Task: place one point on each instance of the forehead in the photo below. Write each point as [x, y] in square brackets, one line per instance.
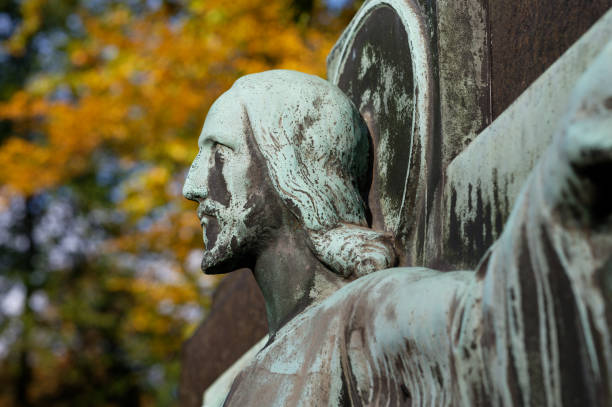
[225, 122]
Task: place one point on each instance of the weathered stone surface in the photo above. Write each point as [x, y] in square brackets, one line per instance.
[383, 63]
[482, 183]
[527, 36]
[462, 48]
[488, 52]
[465, 88]
[237, 320]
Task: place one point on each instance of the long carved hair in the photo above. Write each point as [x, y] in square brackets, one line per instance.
[316, 149]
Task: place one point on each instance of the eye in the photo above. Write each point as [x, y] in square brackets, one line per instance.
[220, 152]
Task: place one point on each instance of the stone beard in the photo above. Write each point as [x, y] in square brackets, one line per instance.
[280, 180]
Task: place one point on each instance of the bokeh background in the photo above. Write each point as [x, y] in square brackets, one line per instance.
[101, 103]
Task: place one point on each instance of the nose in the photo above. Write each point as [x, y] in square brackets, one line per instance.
[194, 188]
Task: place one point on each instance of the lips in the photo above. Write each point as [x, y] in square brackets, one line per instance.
[209, 223]
[206, 211]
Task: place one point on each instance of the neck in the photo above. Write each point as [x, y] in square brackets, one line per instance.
[291, 278]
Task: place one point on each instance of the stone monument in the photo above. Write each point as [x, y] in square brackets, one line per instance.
[322, 197]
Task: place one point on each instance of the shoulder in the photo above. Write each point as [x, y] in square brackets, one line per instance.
[400, 280]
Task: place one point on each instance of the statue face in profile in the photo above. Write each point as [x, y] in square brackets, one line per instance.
[278, 145]
[222, 179]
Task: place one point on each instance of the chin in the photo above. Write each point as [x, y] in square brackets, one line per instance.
[220, 263]
[222, 267]
[228, 251]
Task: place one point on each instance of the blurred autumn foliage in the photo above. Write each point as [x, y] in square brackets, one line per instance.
[101, 103]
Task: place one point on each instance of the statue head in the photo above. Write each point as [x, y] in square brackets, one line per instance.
[296, 137]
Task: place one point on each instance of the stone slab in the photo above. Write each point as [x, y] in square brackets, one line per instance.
[483, 182]
[527, 36]
[236, 321]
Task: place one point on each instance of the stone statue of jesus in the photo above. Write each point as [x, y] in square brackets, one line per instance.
[280, 179]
